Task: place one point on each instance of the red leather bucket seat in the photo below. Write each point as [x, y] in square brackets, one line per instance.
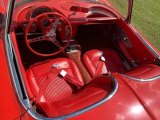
[57, 87]
[99, 62]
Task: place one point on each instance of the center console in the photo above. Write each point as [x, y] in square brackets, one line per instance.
[73, 51]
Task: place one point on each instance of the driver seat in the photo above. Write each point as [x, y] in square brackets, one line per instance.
[57, 88]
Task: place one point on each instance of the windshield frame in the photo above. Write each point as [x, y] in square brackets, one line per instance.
[127, 18]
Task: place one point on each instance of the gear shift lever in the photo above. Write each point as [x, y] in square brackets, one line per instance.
[73, 46]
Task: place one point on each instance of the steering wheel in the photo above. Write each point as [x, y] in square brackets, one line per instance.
[49, 31]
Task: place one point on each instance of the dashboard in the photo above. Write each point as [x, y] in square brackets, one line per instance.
[57, 21]
[77, 12]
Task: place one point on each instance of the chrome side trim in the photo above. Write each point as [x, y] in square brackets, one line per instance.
[15, 76]
[141, 79]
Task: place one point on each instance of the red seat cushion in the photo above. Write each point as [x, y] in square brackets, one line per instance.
[37, 74]
[145, 71]
[112, 61]
[54, 96]
[91, 59]
[88, 95]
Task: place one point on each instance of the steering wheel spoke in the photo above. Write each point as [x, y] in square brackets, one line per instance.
[56, 42]
[38, 39]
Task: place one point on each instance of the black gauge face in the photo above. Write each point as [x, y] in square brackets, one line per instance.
[46, 23]
[40, 10]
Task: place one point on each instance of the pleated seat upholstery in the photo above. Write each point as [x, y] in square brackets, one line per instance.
[56, 95]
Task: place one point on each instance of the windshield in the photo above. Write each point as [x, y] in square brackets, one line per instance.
[121, 6]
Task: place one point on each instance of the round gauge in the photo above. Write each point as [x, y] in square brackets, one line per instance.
[46, 23]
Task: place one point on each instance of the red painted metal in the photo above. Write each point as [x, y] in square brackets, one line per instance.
[133, 100]
[9, 102]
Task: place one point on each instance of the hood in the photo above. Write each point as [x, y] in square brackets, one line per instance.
[148, 94]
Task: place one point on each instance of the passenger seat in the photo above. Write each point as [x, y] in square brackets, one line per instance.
[103, 61]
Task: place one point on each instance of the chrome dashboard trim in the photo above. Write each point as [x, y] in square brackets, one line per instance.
[101, 11]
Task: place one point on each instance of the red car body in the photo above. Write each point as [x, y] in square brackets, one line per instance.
[134, 100]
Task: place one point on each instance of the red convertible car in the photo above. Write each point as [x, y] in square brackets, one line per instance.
[75, 60]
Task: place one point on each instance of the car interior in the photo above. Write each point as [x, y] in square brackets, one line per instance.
[68, 54]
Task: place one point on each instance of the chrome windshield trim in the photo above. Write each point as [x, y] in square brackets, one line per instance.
[141, 79]
[87, 1]
[144, 41]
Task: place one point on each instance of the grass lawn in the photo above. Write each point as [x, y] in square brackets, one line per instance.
[145, 17]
